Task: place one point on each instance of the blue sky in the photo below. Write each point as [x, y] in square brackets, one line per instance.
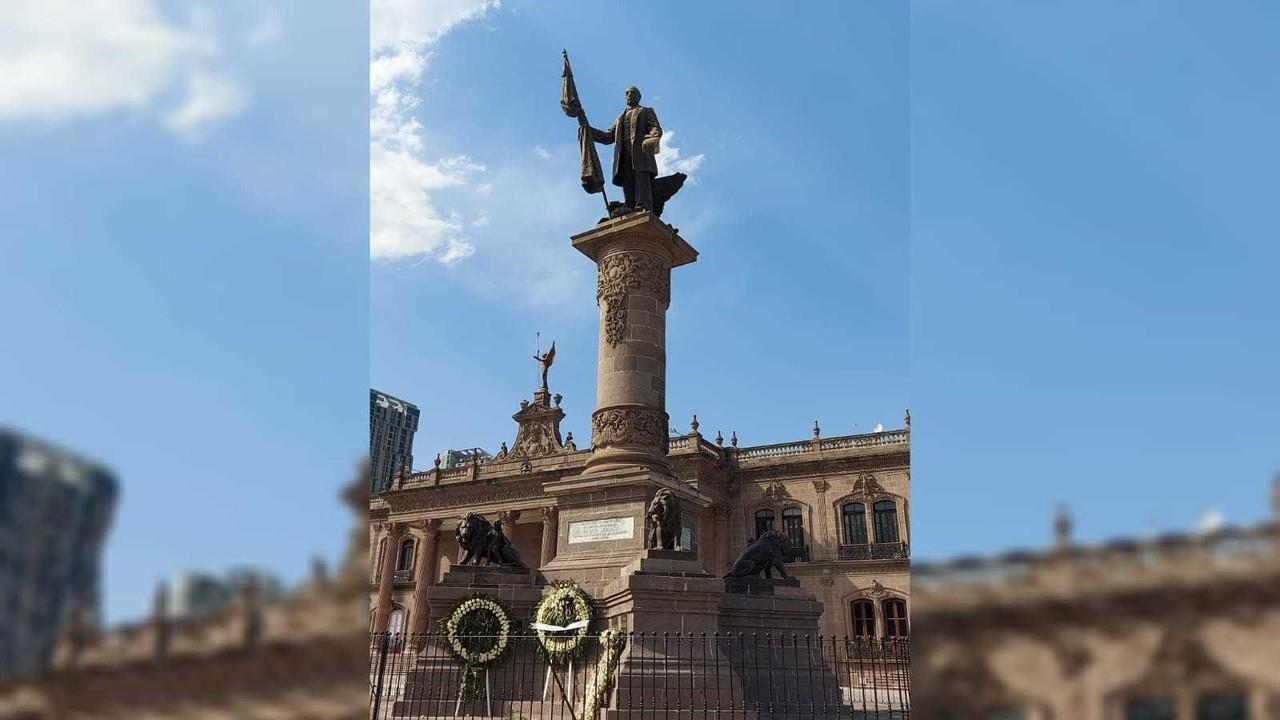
[1047, 228]
[1093, 265]
[1080, 317]
[186, 278]
[797, 307]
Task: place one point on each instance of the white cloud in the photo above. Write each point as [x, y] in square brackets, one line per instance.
[75, 58]
[541, 152]
[670, 161]
[404, 178]
[1209, 521]
[396, 23]
[209, 98]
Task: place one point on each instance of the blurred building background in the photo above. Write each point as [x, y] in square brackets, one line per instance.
[1175, 627]
[55, 510]
[450, 458]
[256, 654]
[193, 594]
[392, 424]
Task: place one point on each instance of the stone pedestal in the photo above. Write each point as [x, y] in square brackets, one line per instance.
[772, 624]
[432, 683]
[671, 604]
[601, 524]
[512, 585]
[634, 255]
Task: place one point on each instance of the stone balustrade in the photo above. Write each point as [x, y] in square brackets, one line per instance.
[1121, 563]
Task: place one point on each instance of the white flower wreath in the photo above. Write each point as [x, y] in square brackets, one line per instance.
[560, 646]
[462, 629]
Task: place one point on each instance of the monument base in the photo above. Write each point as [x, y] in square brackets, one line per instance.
[514, 586]
[433, 683]
[773, 623]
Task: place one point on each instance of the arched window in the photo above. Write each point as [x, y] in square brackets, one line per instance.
[863, 613]
[405, 561]
[764, 521]
[886, 520]
[853, 519]
[793, 526]
[895, 618]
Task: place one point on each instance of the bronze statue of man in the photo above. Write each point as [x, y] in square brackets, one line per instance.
[635, 137]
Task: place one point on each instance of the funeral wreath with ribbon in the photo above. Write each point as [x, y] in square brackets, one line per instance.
[561, 620]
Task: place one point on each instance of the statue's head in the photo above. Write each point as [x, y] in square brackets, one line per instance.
[633, 96]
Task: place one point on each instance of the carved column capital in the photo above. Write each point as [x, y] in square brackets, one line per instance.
[634, 425]
[549, 513]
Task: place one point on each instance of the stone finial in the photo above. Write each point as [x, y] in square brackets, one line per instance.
[524, 404]
[569, 445]
[436, 463]
[906, 418]
[719, 438]
[693, 425]
[1062, 528]
[733, 438]
[817, 431]
[557, 398]
[502, 450]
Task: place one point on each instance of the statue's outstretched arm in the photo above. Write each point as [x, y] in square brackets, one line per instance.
[604, 137]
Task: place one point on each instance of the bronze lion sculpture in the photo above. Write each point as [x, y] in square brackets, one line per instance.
[473, 538]
[767, 553]
[663, 520]
[482, 541]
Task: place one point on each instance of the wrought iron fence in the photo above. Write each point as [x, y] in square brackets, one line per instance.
[718, 676]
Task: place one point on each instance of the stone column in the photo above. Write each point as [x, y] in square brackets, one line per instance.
[550, 527]
[634, 255]
[382, 614]
[424, 575]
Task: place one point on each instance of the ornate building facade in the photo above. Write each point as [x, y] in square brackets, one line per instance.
[843, 503]
[1180, 627]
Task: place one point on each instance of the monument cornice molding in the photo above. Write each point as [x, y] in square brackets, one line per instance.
[818, 467]
[472, 495]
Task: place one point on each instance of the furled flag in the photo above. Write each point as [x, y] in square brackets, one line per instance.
[592, 174]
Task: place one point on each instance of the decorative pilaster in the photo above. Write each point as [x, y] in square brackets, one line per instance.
[825, 547]
[550, 526]
[386, 584]
[634, 255]
[424, 575]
